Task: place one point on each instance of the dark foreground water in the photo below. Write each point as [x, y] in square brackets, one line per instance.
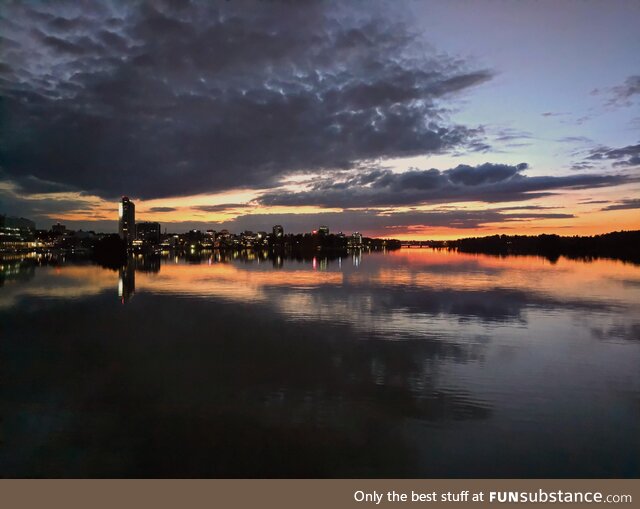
[415, 363]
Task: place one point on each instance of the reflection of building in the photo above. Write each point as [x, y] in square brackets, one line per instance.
[148, 232]
[278, 231]
[127, 220]
[147, 263]
[356, 258]
[21, 270]
[278, 262]
[126, 283]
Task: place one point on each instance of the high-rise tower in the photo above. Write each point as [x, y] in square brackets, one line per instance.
[127, 220]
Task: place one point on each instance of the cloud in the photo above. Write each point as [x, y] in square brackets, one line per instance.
[625, 156]
[581, 166]
[385, 223]
[370, 221]
[622, 94]
[222, 207]
[624, 205]
[512, 137]
[162, 209]
[487, 182]
[554, 114]
[42, 208]
[178, 98]
[574, 139]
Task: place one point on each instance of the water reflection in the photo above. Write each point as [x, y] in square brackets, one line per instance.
[126, 282]
[408, 363]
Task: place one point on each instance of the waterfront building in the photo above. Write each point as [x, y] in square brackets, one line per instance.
[16, 234]
[356, 239]
[58, 229]
[148, 232]
[127, 220]
[278, 232]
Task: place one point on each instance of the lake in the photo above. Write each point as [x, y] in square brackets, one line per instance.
[410, 363]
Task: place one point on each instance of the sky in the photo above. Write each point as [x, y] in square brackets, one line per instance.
[404, 119]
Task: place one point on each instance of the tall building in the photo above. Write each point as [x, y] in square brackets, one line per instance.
[278, 231]
[127, 220]
[323, 230]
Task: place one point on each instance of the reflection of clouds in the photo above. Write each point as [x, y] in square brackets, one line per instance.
[564, 280]
[629, 331]
[412, 294]
[631, 283]
[217, 387]
[404, 292]
[235, 362]
[66, 282]
[229, 281]
[457, 316]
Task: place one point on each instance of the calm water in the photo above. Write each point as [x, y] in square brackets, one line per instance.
[415, 363]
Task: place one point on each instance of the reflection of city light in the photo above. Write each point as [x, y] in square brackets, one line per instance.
[120, 287]
[315, 263]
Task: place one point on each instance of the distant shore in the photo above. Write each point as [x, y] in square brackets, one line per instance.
[623, 245]
[109, 249]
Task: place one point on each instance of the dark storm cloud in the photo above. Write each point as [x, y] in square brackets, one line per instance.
[41, 209]
[487, 183]
[176, 98]
[624, 205]
[625, 156]
[33, 184]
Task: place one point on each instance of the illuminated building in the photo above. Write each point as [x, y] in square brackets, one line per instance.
[278, 231]
[16, 234]
[148, 232]
[323, 230]
[127, 220]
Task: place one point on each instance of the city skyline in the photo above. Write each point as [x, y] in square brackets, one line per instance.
[408, 120]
